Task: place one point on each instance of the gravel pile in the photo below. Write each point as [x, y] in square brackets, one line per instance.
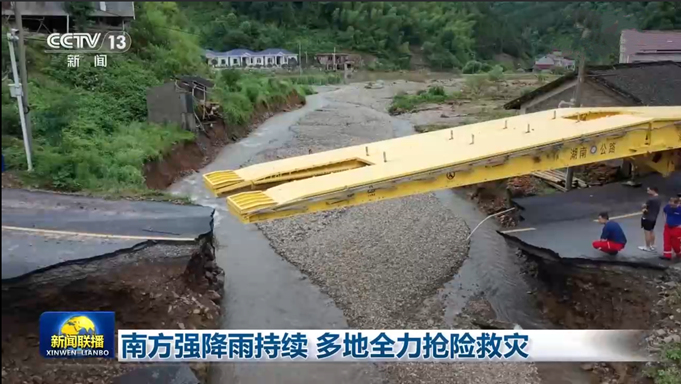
[377, 261]
[382, 263]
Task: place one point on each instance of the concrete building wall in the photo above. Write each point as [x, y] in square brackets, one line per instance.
[624, 58]
[593, 95]
[251, 61]
[163, 104]
[168, 105]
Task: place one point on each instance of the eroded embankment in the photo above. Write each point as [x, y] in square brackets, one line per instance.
[160, 286]
[189, 157]
[587, 295]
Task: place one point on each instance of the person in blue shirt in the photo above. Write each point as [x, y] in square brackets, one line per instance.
[612, 238]
[672, 228]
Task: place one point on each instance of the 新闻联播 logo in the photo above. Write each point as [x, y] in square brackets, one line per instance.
[77, 334]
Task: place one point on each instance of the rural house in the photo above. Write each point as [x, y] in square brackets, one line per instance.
[644, 84]
[636, 84]
[272, 57]
[51, 16]
[552, 61]
[647, 46]
[341, 61]
[176, 102]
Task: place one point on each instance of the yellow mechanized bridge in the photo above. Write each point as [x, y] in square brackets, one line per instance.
[449, 158]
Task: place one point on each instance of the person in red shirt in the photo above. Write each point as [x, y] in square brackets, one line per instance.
[672, 229]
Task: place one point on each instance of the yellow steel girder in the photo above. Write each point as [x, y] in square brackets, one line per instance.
[661, 162]
[583, 136]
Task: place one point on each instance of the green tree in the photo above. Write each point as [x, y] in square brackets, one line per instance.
[80, 12]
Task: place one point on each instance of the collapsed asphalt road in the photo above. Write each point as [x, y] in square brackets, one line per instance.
[42, 230]
[150, 263]
[562, 225]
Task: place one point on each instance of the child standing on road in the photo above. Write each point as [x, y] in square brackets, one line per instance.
[651, 209]
[672, 229]
[612, 238]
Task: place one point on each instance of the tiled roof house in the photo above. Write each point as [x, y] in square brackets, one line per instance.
[648, 46]
[635, 84]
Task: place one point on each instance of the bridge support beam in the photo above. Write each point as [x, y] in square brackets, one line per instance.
[662, 162]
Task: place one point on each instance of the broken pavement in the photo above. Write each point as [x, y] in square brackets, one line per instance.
[153, 264]
[562, 226]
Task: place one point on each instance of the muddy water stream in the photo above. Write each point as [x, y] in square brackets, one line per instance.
[264, 291]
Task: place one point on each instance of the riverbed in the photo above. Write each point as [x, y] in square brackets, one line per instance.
[401, 263]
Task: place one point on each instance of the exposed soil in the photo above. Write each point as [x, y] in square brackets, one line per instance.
[10, 180]
[158, 287]
[594, 296]
[189, 157]
[495, 196]
[609, 297]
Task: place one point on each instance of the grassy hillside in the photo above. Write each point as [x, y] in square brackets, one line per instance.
[89, 124]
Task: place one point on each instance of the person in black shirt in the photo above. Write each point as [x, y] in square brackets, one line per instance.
[651, 209]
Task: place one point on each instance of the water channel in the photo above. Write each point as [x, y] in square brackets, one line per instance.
[264, 291]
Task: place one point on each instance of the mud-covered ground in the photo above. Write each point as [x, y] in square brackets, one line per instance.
[382, 263]
[162, 286]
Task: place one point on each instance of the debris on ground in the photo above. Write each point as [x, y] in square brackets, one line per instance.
[664, 341]
[10, 180]
[597, 174]
[523, 186]
[378, 85]
[558, 180]
[494, 197]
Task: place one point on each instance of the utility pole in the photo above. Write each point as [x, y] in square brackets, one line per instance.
[580, 79]
[17, 92]
[334, 58]
[22, 69]
[569, 174]
[300, 58]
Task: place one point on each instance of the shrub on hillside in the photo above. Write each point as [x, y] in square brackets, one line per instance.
[236, 106]
[496, 74]
[229, 78]
[437, 90]
[403, 102]
[541, 77]
[475, 84]
[102, 162]
[472, 67]
[559, 71]
[10, 114]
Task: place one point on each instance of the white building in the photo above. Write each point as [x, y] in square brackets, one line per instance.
[273, 57]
